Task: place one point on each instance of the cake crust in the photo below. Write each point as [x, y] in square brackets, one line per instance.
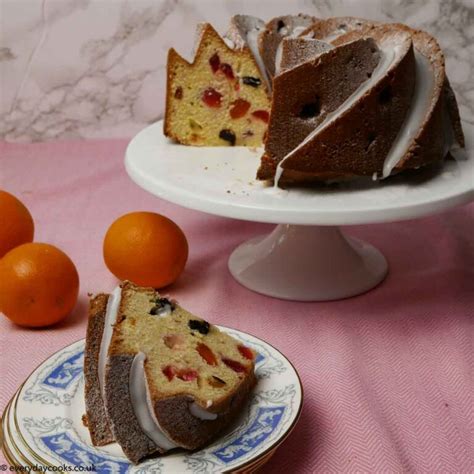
[96, 416]
[128, 433]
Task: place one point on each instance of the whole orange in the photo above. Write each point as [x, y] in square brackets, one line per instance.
[39, 285]
[16, 223]
[146, 248]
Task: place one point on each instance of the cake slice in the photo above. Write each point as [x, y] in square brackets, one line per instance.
[172, 380]
[219, 99]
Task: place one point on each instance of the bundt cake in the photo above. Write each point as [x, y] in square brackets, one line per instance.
[158, 377]
[350, 98]
[402, 115]
[221, 98]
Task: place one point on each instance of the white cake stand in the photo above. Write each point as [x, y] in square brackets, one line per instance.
[306, 257]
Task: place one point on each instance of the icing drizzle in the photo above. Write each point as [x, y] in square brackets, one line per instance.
[143, 406]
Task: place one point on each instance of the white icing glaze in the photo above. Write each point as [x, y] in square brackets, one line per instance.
[165, 310]
[229, 42]
[424, 85]
[109, 320]
[199, 412]
[388, 54]
[142, 404]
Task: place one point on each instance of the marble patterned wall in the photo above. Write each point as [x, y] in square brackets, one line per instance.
[96, 68]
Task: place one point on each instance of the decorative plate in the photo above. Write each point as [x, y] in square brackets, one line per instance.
[43, 422]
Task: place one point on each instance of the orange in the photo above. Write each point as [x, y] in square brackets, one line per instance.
[146, 248]
[39, 285]
[16, 223]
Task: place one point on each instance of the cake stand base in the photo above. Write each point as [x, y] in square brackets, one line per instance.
[307, 263]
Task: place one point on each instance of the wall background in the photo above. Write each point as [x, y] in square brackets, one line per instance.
[96, 68]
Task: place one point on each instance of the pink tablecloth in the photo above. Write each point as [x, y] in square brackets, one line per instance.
[386, 375]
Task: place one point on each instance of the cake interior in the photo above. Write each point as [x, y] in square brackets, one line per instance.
[184, 354]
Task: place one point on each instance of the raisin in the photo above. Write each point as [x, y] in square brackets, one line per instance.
[280, 25]
[251, 81]
[227, 70]
[216, 382]
[161, 304]
[206, 353]
[215, 62]
[234, 365]
[239, 108]
[178, 93]
[211, 97]
[245, 352]
[262, 115]
[228, 136]
[201, 326]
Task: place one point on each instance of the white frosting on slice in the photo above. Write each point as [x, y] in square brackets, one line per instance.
[424, 85]
[143, 406]
[388, 55]
[199, 412]
[110, 318]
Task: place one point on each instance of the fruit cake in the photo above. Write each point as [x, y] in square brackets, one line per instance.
[333, 121]
[172, 380]
[219, 99]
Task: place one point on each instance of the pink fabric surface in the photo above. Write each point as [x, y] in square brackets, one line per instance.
[386, 374]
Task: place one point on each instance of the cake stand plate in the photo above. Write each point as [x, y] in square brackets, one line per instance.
[306, 257]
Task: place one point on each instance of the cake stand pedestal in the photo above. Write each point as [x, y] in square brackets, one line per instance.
[306, 257]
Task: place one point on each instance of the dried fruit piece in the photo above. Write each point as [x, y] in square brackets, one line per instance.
[169, 372]
[173, 341]
[206, 353]
[245, 352]
[262, 115]
[188, 375]
[234, 365]
[197, 325]
[251, 81]
[216, 382]
[228, 136]
[227, 70]
[212, 98]
[194, 124]
[239, 108]
[215, 62]
[178, 93]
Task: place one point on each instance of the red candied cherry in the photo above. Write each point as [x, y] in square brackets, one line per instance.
[245, 352]
[188, 375]
[239, 108]
[234, 365]
[215, 62]
[169, 372]
[262, 115]
[212, 98]
[206, 353]
[227, 70]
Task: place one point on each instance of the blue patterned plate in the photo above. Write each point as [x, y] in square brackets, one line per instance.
[43, 423]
